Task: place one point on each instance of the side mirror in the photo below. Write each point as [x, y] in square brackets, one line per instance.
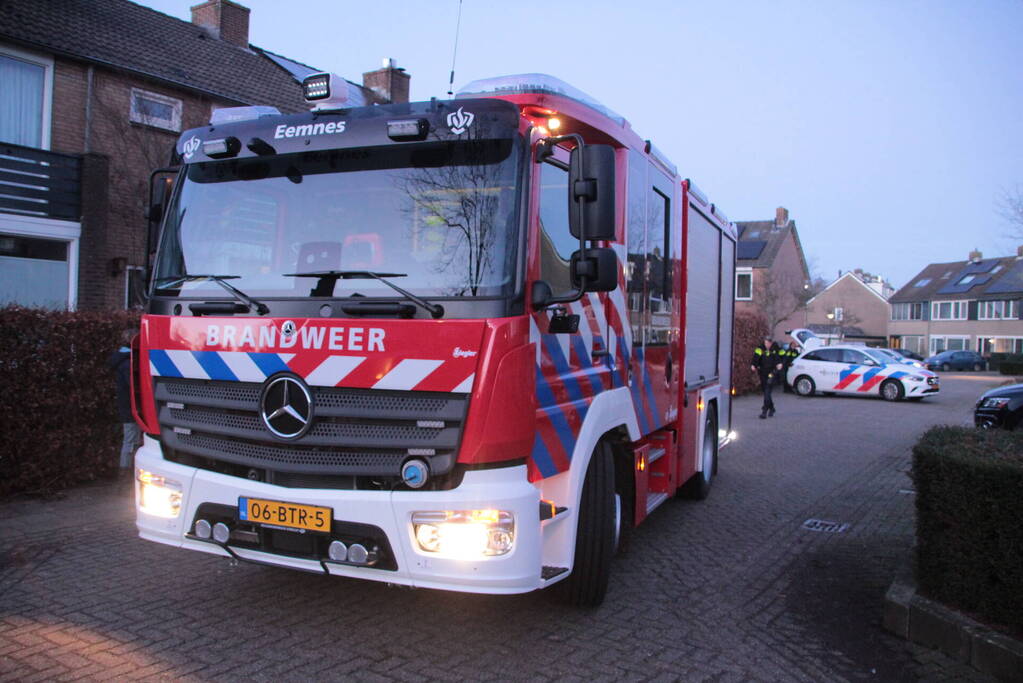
[591, 192]
[600, 268]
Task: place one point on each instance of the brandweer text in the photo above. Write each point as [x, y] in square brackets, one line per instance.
[309, 337]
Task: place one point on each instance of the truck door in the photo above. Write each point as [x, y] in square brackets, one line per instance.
[653, 306]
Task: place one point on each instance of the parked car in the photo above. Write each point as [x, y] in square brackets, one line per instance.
[906, 353]
[898, 357]
[1000, 408]
[956, 360]
[859, 371]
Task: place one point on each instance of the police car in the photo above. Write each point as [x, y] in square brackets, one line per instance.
[858, 370]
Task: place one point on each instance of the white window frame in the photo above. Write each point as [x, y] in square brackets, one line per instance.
[839, 313]
[48, 228]
[958, 309]
[965, 338]
[177, 106]
[46, 62]
[744, 271]
[981, 338]
[986, 313]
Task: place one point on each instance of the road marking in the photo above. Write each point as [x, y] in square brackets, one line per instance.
[825, 526]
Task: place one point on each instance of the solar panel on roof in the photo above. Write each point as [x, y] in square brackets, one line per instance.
[969, 276]
[750, 249]
[1011, 281]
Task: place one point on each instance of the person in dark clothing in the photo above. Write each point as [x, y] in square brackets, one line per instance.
[120, 362]
[767, 363]
[789, 353]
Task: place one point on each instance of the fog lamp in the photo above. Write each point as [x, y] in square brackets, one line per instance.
[158, 496]
[465, 534]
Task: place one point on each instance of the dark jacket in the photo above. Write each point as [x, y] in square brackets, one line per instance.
[120, 362]
[766, 361]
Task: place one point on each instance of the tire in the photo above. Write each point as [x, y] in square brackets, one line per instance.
[945, 367]
[698, 486]
[595, 533]
[804, 386]
[892, 390]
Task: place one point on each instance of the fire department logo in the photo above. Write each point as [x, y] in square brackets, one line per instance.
[459, 121]
[286, 406]
[190, 147]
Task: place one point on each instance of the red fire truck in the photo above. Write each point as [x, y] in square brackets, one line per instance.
[462, 344]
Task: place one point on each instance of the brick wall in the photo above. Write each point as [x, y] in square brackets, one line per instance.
[113, 222]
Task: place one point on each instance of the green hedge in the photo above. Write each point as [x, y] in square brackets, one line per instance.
[58, 411]
[748, 331]
[995, 360]
[1008, 367]
[969, 504]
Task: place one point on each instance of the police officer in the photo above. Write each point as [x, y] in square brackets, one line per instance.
[789, 354]
[767, 363]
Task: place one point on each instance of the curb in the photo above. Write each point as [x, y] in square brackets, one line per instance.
[926, 622]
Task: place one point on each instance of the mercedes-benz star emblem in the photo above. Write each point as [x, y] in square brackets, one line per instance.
[286, 406]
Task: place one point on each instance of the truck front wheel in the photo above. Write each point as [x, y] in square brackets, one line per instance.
[595, 534]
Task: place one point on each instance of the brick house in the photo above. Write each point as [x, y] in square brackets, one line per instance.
[95, 93]
[852, 308]
[771, 275]
[973, 304]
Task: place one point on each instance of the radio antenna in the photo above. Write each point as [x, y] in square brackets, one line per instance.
[454, 53]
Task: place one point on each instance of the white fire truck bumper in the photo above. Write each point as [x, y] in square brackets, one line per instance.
[501, 489]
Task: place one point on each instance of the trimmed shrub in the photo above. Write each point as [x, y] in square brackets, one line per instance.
[748, 331]
[1008, 367]
[969, 507]
[58, 408]
[995, 360]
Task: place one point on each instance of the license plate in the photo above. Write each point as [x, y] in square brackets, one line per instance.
[288, 515]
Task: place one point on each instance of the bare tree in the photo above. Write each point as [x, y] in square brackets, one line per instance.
[781, 294]
[1010, 207]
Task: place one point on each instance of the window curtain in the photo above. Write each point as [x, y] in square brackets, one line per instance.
[21, 102]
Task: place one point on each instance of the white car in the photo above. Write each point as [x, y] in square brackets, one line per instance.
[899, 358]
[860, 371]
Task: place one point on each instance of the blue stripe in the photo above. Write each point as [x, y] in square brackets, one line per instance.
[269, 363]
[561, 366]
[163, 363]
[848, 371]
[900, 373]
[214, 365]
[545, 399]
[587, 361]
[542, 458]
[870, 373]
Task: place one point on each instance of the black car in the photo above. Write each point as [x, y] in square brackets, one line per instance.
[906, 353]
[1000, 408]
[956, 360]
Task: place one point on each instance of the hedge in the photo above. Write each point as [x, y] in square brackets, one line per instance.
[995, 360]
[968, 526]
[1007, 367]
[58, 411]
[748, 331]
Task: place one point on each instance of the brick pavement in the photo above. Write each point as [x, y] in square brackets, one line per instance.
[732, 588]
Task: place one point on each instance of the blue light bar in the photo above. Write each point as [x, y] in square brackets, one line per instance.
[535, 83]
[235, 114]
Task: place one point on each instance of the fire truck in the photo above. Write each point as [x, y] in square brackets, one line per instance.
[464, 344]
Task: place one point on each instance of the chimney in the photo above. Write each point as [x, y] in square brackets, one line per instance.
[389, 84]
[223, 19]
[781, 217]
[975, 256]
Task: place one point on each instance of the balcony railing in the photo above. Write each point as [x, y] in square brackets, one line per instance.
[34, 182]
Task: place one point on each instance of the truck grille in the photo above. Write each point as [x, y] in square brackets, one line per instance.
[355, 432]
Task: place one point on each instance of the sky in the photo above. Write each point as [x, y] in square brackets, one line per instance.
[889, 129]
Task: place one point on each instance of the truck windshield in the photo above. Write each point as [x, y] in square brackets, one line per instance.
[444, 214]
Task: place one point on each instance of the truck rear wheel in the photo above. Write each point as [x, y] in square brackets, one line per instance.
[595, 533]
[698, 487]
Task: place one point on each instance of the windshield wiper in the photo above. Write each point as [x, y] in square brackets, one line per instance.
[221, 280]
[328, 278]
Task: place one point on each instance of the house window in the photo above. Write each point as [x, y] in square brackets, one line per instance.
[987, 345]
[999, 310]
[912, 342]
[923, 282]
[947, 343]
[837, 313]
[37, 272]
[908, 311]
[966, 279]
[153, 109]
[948, 310]
[744, 285]
[25, 98]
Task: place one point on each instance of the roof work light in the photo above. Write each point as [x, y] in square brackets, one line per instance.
[328, 91]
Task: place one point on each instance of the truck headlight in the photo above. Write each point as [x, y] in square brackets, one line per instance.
[158, 496]
[464, 534]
